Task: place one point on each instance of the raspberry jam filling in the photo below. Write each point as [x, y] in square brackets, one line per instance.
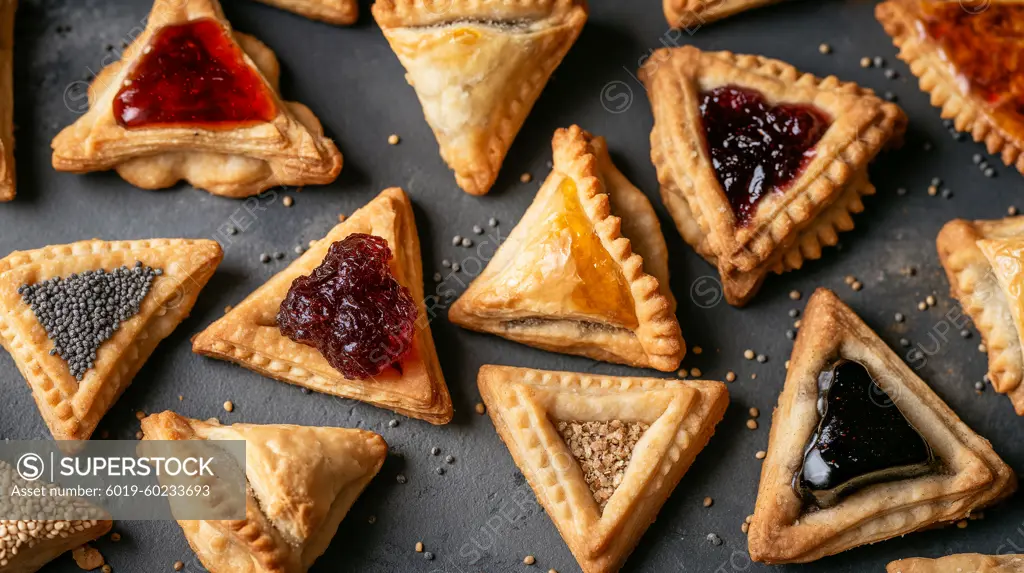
[193, 75]
[984, 46]
[757, 148]
[352, 309]
[862, 438]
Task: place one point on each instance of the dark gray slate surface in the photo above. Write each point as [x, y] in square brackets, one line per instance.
[480, 515]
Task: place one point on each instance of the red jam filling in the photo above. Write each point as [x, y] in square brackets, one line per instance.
[757, 148]
[352, 309]
[192, 75]
[984, 46]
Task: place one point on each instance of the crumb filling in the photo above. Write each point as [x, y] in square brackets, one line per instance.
[603, 450]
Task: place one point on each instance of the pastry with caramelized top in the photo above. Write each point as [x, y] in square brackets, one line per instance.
[586, 269]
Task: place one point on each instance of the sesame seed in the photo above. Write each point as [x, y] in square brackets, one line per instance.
[450, 459]
[288, 201]
[264, 258]
[299, 249]
[1012, 210]
[979, 386]
[714, 539]
[794, 312]
[933, 190]
[278, 255]
[922, 305]
[456, 240]
[393, 139]
[401, 479]
[106, 568]
[697, 350]
[865, 62]
[791, 334]
[178, 565]
[456, 267]
[478, 230]
[115, 537]
[467, 242]
[744, 527]
[393, 423]
[748, 354]
[730, 376]
[419, 547]
[794, 295]
[437, 277]
[695, 372]
[930, 300]
[754, 412]
[990, 172]
[891, 74]
[889, 96]
[428, 556]
[229, 406]
[857, 285]
[751, 424]
[435, 451]
[480, 408]
[708, 501]
[879, 62]
[962, 524]
[525, 178]
[762, 358]
[446, 264]
[232, 230]
[372, 519]
[898, 317]
[982, 348]
[529, 560]
[965, 333]
[440, 471]
[850, 279]
[760, 454]
[977, 158]
[825, 49]
[492, 222]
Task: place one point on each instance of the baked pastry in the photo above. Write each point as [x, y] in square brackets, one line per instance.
[586, 269]
[191, 99]
[409, 380]
[959, 51]
[133, 294]
[692, 14]
[759, 164]
[477, 67]
[301, 483]
[983, 263]
[861, 449]
[26, 545]
[341, 12]
[7, 10]
[962, 563]
[648, 432]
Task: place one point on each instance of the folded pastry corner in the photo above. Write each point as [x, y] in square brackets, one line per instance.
[339, 12]
[7, 178]
[478, 68]
[751, 200]
[409, 380]
[586, 269]
[236, 139]
[134, 294]
[692, 14]
[649, 431]
[983, 262]
[959, 52]
[301, 482]
[960, 563]
[861, 449]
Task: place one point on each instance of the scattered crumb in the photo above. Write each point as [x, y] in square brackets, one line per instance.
[87, 558]
[603, 450]
[419, 547]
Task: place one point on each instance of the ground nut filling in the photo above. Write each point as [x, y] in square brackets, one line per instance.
[603, 450]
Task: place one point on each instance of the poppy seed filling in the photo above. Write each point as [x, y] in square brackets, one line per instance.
[82, 311]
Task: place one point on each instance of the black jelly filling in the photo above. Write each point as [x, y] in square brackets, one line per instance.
[862, 439]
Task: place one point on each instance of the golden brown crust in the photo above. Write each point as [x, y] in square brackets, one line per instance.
[962, 563]
[973, 477]
[248, 334]
[7, 178]
[487, 306]
[975, 285]
[301, 483]
[862, 125]
[523, 403]
[340, 12]
[289, 150]
[1002, 133]
[477, 67]
[73, 408]
[691, 14]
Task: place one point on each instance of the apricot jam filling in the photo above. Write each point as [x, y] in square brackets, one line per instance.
[193, 75]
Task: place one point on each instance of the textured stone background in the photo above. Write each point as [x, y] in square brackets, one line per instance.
[480, 515]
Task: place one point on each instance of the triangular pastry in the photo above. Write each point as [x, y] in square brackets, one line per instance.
[692, 14]
[191, 99]
[586, 269]
[250, 334]
[759, 164]
[961, 563]
[983, 263]
[648, 432]
[301, 483]
[7, 180]
[861, 449]
[959, 51]
[341, 12]
[80, 320]
[477, 67]
[26, 545]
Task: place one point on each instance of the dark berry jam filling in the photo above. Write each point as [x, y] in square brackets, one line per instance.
[352, 309]
[757, 148]
[985, 45]
[862, 439]
[193, 75]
